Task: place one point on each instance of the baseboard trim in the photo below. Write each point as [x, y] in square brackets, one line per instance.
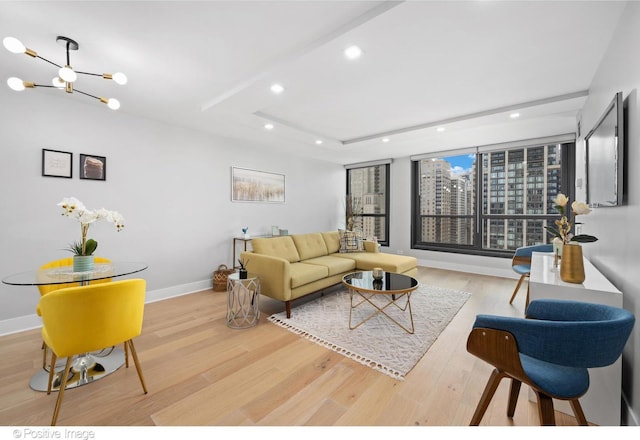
[629, 417]
[30, 322]
[476, 269]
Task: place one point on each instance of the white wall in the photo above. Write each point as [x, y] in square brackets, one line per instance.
[616, 251]
[171, 184]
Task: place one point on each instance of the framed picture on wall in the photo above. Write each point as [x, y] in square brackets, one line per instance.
[57, 163]
[256, 186]
[93, 167]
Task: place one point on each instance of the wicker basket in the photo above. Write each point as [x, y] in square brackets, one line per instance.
[220, 278]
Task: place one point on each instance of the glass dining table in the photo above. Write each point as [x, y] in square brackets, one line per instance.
[87, 367]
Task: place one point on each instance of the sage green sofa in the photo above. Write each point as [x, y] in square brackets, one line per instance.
[293, 266]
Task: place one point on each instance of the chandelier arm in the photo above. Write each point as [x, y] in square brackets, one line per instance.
[89, 73]
[87, 94]
[50, 62]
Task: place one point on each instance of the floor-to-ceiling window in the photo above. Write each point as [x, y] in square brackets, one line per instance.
[489, 200]
[368, 200]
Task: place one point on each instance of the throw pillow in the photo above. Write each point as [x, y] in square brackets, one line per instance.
[351, 241]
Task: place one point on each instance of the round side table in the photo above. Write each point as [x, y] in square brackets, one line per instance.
[243, 296]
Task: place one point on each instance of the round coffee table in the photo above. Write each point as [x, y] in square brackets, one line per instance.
[392, 290]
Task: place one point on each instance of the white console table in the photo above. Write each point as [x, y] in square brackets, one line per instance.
[601, 403]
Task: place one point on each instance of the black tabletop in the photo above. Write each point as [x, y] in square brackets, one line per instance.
[390, 281]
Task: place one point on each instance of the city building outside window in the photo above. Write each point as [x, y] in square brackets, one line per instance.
[489, 201]
[367, 200]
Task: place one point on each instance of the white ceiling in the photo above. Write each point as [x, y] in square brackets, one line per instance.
[208, 65]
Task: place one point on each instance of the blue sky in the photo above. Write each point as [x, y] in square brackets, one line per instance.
[460, 164]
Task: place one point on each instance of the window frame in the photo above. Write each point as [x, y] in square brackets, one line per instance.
[568, 152]
[387, 195]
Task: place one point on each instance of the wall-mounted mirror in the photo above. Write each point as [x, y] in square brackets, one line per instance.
[604, 156]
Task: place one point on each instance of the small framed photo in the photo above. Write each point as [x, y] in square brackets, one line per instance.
[57, 163]
[93, 167]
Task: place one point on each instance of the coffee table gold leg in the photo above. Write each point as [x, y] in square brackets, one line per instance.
[380, 310]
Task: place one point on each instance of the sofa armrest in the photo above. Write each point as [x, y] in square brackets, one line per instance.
[274, 273]
[371, 246]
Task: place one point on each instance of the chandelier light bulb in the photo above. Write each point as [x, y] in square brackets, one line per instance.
[13, 45]
[119, 78]
[16, 84]
[113, 104]
[67, 74]
[58, 83]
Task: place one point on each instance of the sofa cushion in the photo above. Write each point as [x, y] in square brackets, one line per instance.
[310, 245]
[335, 265]
[282, 247]
[332, 241]
[388, 262]
[303, 273]
[351, 241]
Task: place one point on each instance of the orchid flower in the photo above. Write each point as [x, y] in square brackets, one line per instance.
[74, 208]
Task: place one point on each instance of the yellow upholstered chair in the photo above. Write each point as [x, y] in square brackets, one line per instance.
[46, 288]
[113, 311]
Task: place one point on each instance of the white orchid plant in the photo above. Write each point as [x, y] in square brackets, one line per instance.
[566, 222]
[74, 208]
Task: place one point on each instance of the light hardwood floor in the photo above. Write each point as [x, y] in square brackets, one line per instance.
[200, 372]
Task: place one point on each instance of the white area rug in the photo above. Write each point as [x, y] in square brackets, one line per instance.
[378, 343]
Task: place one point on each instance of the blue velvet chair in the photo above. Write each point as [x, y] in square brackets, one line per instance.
[521, 264]
[550, 351]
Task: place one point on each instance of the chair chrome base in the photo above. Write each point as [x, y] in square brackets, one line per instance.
[85, 369]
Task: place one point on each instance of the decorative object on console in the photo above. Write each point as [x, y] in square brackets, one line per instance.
[275, 231]
[571, 267]
[66, 76]
[566, 222]
[74, 208]
[245, 233]
[557, 251]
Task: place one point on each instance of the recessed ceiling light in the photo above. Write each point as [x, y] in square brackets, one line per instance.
[353, 52]
[319, 142]
[440, 129]
[514, 115]
[268, 126]
[277, 88]
[385, 140]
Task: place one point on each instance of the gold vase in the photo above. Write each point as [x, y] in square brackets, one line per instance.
[572, 265]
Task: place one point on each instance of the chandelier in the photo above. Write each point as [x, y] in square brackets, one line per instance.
[66, 75]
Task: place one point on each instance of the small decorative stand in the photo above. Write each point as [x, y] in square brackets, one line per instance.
[243, 297]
